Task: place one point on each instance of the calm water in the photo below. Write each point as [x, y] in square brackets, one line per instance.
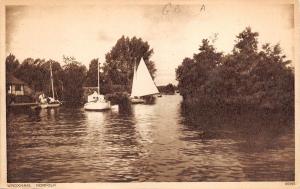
[161, 142]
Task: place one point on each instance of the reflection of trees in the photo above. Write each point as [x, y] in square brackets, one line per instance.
[260, 142]
[257, 129]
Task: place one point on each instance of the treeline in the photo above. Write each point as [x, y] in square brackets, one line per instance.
[71, 76]
[68, 79]
[248, 77]
[167, 89]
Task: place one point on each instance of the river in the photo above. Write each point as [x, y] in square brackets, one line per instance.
[159, 142]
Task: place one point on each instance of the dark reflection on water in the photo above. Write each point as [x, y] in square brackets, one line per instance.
[160, 142]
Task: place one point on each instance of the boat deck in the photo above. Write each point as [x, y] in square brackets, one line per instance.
[24, 104]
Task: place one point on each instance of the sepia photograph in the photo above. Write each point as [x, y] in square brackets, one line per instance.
[148, 92]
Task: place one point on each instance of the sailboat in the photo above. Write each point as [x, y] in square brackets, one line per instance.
[96, 101]
[49, 102]
[142, 83]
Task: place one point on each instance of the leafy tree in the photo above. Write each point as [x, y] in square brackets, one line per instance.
[30, 72]
[36, 73]
[121, 58]
[73, 80]
[247, 77]
[11, 64]
[193, 74]
[273, 80]
[246, 42]
[58, 76]
[92, 75]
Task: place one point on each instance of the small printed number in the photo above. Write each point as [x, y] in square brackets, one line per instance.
[290, 183]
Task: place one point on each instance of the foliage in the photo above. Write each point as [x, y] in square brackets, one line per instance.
[197, 75]
[92, 77]
[120, 61]
[247, 77]
[73, 80]
[68, 81]
[36, 73]
[11, 63]
[168, 89]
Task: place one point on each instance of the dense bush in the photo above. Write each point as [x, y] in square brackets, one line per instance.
[167, 89]
[247, 77]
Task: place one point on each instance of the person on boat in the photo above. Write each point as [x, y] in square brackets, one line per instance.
[93, 97]
[42, 98]
[51, 100]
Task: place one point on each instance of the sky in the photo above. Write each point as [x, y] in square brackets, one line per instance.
[174, 31]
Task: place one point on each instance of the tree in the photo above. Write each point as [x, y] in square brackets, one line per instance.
[121, 58]
[194, 72]
[246, 42]
[273, 80]
[247, 77]
[58, 76]
[11, 64]
[73, 80]
[92, 73]
[30, 72]
[36, 73]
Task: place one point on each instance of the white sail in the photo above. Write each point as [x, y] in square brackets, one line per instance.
[143, 84]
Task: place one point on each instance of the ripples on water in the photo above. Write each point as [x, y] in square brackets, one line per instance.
[160, 142]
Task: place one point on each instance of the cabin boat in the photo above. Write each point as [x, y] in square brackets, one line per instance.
[48, 102]
[96, 101]
[142, 84]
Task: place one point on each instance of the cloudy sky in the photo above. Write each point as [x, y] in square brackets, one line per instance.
[173, 31]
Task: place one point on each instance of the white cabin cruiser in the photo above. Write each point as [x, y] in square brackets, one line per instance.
[96, 101]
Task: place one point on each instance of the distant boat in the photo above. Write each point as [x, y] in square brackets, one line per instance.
[142, 83]
[96, 101]
[49, 102]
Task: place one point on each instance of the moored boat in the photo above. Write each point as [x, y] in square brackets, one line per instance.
[96, 101]
[49, 102]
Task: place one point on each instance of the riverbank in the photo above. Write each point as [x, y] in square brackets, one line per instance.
[238, 106]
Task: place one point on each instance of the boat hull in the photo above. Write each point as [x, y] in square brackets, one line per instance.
[137, 101]
[97, 106]
[53, 105]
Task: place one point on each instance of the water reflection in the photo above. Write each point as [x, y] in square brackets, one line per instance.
[159, 142]
[251, 141]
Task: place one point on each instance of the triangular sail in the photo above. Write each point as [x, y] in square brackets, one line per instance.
[143, 84]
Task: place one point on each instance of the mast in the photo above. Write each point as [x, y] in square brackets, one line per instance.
[134, 71]
[51, 78]
[133, 86]
[98, 78]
